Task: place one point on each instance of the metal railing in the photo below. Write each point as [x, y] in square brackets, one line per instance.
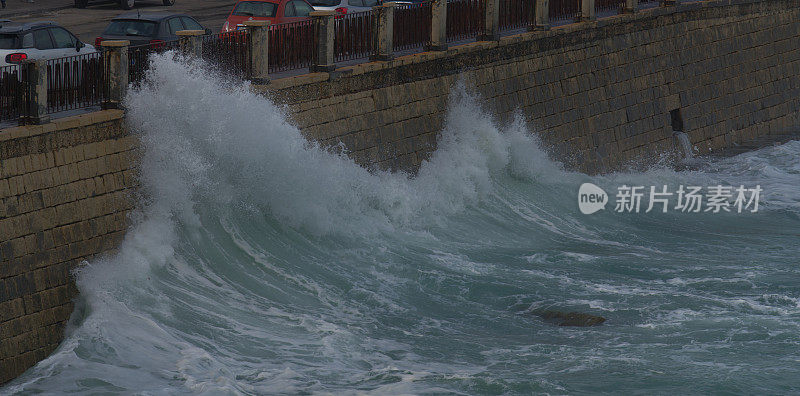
[75, 82]
[516, 14]
[412, 26]
[139, 57]
[464, 19]
[606, 6]
[290, 45]
[13, 91]
[229, 50]
[564, 10]
[354, 36]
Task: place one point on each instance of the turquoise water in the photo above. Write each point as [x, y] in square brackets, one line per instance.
[260, 264]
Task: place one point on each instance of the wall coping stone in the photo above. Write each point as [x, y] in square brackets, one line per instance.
[61, 124]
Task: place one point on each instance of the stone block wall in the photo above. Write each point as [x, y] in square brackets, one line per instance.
[64, 196]
[599, 93]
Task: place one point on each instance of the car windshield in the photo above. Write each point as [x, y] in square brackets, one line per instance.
[255, 9]
[325, 3]
[132, 27]
[8, 41]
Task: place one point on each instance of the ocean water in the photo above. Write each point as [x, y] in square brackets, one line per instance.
[262, 264]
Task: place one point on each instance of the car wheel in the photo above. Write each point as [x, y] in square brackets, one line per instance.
[168, 2]
[126, 4]
[81, 3]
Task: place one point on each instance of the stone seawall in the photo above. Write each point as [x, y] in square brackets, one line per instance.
[599, 94]
[64, 196]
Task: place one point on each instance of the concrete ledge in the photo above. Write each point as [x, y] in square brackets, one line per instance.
[61, 124]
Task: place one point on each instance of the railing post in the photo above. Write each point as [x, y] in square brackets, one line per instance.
[259, 51]
[438, 26]
[587, 11]
[383, 32]
[36, 106]
[631, 6]
[115, 58]
[541, 15]
[491, 21]
[191, 42]
[322, 59]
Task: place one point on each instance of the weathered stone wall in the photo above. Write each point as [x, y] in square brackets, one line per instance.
[64, 195]
[599, 94]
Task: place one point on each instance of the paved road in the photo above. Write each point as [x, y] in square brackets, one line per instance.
[88, 23]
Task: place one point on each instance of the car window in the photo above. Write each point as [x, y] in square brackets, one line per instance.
[131, 27]
[301, 8]
[27, 40]
[63, 39]
[289, 9]
[191, 24]
[356, 3]
[370, 3]
[41, 39]
[325, 3]
[8, 41]
[255, 9]
[174, 25]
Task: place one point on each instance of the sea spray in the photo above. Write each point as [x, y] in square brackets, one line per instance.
[236, 147]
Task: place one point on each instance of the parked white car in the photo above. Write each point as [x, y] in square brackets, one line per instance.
[344, 6]
[38, 40]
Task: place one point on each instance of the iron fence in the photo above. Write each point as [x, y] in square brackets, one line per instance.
[353, 36]
[139, 57]
[464, 19]
[564, 10]
[230, 51]
[516, 14]
[290, 45]
[13, 91]
[606, 6]
[75, 82]
[412, 26]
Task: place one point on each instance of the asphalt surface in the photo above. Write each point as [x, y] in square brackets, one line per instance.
[90, 22]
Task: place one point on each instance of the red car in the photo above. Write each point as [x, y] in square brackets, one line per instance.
[275, 11]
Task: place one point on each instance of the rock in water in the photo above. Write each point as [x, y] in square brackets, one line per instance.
[579, 319]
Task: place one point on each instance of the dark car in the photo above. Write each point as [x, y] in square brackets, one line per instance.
[148, 28]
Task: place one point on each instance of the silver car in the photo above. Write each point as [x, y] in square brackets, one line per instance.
[38, 40]
[344, 6]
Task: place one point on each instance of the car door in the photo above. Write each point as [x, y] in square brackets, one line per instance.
[191, 24]
[62, 45]
[63, 41]
[173, 26]
[85, 49]
[296, 10]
